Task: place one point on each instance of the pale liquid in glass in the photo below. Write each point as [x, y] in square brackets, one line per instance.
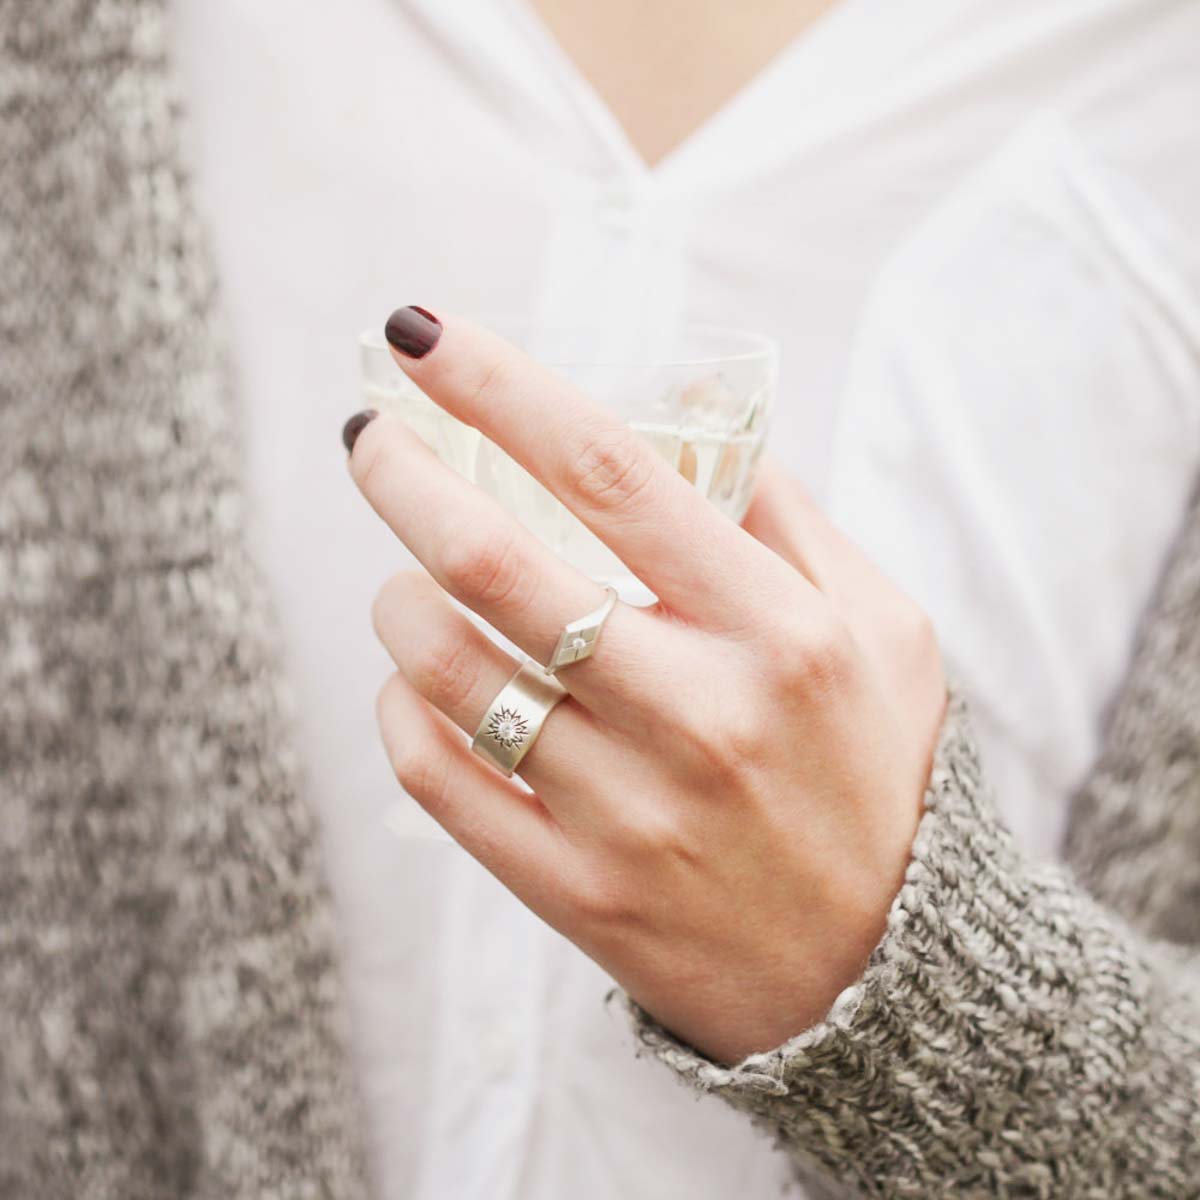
[720, 463]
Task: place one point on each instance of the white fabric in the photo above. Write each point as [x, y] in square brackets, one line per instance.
[979, 272]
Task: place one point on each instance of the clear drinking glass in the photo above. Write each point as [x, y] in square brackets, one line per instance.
[701, 397]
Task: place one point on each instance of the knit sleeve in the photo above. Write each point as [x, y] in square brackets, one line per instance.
[1021, 1028]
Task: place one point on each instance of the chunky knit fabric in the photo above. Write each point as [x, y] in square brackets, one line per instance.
[1022, 1029]
[168, 996]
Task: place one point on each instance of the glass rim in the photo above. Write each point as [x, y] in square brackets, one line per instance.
[755, 346]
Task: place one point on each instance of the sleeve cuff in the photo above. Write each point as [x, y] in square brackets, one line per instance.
[956, 1059]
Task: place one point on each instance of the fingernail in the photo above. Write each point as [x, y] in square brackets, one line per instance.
[413, 331]
[356, 425]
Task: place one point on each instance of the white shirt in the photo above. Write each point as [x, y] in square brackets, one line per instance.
[967, 224]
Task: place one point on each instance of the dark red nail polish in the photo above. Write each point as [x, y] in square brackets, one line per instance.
[356, 425]
[413, 331]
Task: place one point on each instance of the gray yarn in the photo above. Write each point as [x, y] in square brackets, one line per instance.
[1022, 1029]
[168, 993]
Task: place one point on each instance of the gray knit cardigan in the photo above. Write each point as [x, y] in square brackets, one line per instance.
[168, 992]
[169, 1012]
[1022, 1028]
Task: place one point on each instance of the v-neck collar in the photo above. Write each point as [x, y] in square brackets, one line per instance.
[845, 49]
[595, 110]
[806, 92]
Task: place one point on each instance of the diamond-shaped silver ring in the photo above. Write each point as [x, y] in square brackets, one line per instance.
[578, 639]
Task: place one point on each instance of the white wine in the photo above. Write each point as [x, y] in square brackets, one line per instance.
[453, 442]
[720, 464]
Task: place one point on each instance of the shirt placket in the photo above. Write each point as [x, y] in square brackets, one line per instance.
[489, 1033]
[614, 255]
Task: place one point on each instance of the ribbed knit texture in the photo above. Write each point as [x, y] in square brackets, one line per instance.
[1022, 1028]
[169, 1010]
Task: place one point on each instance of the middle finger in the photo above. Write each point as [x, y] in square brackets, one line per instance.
[491, 563]
[666, 532]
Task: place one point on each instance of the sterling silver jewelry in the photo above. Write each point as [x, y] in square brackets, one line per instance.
[516, 715]
[578, 639]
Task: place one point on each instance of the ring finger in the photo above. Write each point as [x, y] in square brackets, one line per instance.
[453, 664]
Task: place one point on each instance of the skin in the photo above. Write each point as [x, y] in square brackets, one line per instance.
[723, 807]
[663, 67]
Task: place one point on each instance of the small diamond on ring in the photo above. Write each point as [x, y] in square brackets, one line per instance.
[508, 727]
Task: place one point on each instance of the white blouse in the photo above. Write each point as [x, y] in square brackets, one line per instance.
[972, 228]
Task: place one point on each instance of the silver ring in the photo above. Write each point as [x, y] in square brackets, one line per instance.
[516, 715]
[578, 639]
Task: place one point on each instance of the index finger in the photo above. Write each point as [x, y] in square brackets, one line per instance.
[673, 539]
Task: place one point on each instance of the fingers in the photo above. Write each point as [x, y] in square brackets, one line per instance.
[487, 560]
[692, 557]
[492, 818]
[452, 664]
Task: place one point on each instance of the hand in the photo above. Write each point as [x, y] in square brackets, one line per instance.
[723, 807]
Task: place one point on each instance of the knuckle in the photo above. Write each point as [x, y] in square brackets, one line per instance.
[422, 774]
[647, 830]
[815, 655]
[827, 658]
[593, 901]
[496, 385]
[414, 760]
[611, 469]
[602, 899]
[392, 599]
[387, 703]
[419, 771]
[729, 741]
[489, 571]
[447, 671]
[723, 737]
[743, 742]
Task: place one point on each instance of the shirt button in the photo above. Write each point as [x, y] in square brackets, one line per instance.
[616, 209]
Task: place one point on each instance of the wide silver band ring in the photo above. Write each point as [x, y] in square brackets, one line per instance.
[577, 640]
[515, 717]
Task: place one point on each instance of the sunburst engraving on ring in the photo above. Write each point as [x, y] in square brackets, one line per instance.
[508, 727]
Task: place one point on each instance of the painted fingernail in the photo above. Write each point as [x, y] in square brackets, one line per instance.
[413, 331]
[356, 425]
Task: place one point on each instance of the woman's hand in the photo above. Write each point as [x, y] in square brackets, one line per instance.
[724, 805]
